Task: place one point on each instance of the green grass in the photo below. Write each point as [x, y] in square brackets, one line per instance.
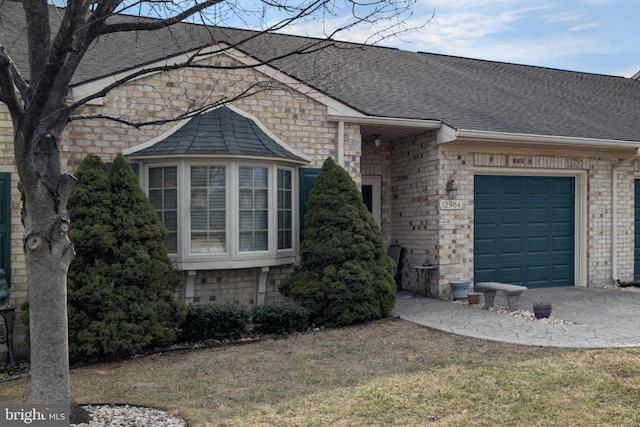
[389, 373]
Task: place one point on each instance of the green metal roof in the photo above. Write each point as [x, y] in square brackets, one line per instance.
[220, 132]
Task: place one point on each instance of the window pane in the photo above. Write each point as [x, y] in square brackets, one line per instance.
[199, 220]
[217, 199]
[171, 177]
[155, 177]
[171, 242]
[217, 220]
[285, 212]
[260, 199]
[208, 209]
[261, 220]
[246, 220]
[156, 198]
[171, 220]
[198, 176]
[199, 242]
[246, 241]
[261, 241]
[260, 177]
[163, 183]
[217, 177]
[246, 199]
[253, 197]
[171, 199]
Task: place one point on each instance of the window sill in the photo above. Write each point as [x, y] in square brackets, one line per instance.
[232, 264]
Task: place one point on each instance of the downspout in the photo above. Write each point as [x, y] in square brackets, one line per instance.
[614, 213]
[341, 143]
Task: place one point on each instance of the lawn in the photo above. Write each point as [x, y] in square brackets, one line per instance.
[387, 373]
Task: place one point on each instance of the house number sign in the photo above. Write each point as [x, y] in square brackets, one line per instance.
[450, 204]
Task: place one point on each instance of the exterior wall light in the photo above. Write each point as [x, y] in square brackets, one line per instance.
[377, 140]
[452, 189]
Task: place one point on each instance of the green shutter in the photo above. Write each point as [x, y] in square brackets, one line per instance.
[307, 182]
[5, 223]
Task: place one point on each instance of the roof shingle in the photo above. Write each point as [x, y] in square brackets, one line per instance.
[219, 132]
[464, 93]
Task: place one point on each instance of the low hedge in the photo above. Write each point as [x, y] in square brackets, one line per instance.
[215, 322]
[280, 319]
[221, 322]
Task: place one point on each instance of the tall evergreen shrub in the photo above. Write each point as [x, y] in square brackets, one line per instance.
[122, 282]
[344, 274]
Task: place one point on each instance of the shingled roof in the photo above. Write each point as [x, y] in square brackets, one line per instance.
[220, 131]
[463, 93]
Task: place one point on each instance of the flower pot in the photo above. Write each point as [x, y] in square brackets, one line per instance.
[459, 289]
[541, 311]
[474, 298]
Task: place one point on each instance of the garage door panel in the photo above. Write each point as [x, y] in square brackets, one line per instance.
[562, 244]
[485, 247]
[538, 245]
[563, 216]
[485, 217]
[511, 245]
[530, 240]
[537, 273]
[511, 274]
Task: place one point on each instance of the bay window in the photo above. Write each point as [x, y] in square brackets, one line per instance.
[226, 214]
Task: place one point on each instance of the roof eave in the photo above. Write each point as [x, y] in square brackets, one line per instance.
[449, 135]
[178, 157]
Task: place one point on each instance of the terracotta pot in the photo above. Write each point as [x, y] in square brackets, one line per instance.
[474, 298]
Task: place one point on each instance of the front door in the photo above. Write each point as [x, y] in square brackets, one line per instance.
[371, 195]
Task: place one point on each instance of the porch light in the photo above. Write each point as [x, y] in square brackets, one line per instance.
[377, 140]
[452, 189]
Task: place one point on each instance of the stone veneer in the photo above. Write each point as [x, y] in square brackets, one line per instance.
[294, 118]
[421, 169]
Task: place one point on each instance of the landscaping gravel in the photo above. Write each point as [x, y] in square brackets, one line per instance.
[130, 416]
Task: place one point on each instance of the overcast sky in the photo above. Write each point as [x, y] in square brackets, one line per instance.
[596, 36]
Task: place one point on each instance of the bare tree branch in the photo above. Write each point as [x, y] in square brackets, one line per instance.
[8, 93]
[148, 25]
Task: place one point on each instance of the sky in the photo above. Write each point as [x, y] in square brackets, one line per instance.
[594, 36]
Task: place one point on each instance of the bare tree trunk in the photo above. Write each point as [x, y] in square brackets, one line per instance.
[48, 253]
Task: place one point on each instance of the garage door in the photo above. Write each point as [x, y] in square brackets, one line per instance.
[636, 264]
[524, 230]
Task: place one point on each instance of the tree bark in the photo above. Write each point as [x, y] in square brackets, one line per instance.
[48, 254]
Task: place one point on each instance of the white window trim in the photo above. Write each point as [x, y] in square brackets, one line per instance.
[232, 258]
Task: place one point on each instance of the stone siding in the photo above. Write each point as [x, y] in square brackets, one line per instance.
[421, 171]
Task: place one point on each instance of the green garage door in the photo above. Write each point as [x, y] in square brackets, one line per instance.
[636, 250]
[524, 230]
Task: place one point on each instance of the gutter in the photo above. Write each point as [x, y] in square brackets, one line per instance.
[387, 121]
[614, 213]
[447, 134]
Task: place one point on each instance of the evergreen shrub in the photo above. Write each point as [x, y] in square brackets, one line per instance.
[280, 319]
[344, 275]
[220, 322]
[122, 283]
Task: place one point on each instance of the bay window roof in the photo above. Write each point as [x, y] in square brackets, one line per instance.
[222, 131]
